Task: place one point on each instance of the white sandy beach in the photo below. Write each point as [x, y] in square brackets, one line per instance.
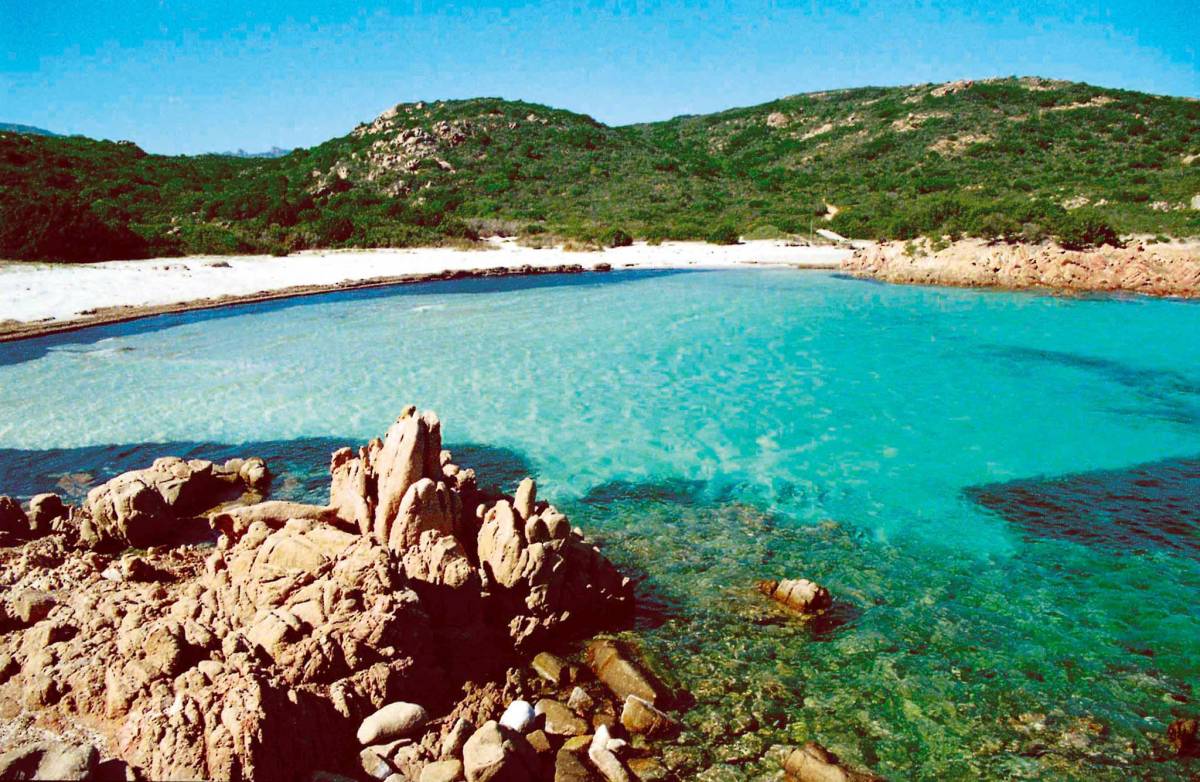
[32, 292]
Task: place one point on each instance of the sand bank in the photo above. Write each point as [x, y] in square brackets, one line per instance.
[38, 298]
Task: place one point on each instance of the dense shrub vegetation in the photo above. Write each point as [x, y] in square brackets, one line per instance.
[1008, 160]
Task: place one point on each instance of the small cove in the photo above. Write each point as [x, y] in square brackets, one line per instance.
[712, 428]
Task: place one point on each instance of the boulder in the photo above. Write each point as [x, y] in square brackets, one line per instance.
[260, 657]
[139, 569]
[234, 522]
[30, 606]
[496, 753]
[411, 451]
[524, 499]
[443, 771]
[539, 740]
[580, 701]
[49, 760]
[614, 667]
[44, 509]
[559, 720]
[13, 520]
[603, 754]
[570, 764]
[641, 717]
[144, 507]
[552, 668]
[519, 716]
[800, 595]
[453, 741]
[394, 721]
[814, 763]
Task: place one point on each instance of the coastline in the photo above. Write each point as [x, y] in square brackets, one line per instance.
[39, 299]
[1138, 268]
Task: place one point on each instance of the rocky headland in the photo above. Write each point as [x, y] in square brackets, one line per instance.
[179, 625]
[1168, 269]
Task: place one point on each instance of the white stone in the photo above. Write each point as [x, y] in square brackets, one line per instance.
[519, 716]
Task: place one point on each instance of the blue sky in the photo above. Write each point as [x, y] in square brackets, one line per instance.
[184, 77]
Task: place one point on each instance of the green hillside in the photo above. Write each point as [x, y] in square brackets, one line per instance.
[1013, 158]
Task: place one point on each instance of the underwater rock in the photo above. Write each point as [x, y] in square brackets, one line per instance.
[814, 763]
[799, 594]
[641, 717]
[1184, 735]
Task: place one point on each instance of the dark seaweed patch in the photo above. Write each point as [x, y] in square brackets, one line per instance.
[1147, 506]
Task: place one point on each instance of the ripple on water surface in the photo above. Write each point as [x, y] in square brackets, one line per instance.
[984, 480]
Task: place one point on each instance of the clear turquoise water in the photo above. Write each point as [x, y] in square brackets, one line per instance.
[718, 427]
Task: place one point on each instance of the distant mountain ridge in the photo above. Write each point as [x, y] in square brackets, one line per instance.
[1008, 159]
[12, 127]
[273, 152]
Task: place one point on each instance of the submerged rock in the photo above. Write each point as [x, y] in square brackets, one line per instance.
[814, 763]
[1184, 735]
[799, 594]
[640, 716]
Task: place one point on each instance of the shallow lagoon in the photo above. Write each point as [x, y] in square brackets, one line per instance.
[1001, 489]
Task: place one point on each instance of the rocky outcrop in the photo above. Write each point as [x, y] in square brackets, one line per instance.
[144, 507]
[310, 637]
[14, 524]
[1156, 270]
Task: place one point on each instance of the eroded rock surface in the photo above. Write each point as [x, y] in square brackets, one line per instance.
[1157, 269]
[271, 655]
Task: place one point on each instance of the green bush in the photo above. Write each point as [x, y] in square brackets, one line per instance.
[726, 233]
[617, 238]
[61, 228]
[1084, 228]
[334, 229]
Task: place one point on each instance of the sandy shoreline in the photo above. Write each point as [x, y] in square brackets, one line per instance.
[38, 299]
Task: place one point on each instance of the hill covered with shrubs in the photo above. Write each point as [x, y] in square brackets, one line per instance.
[1010, 159]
